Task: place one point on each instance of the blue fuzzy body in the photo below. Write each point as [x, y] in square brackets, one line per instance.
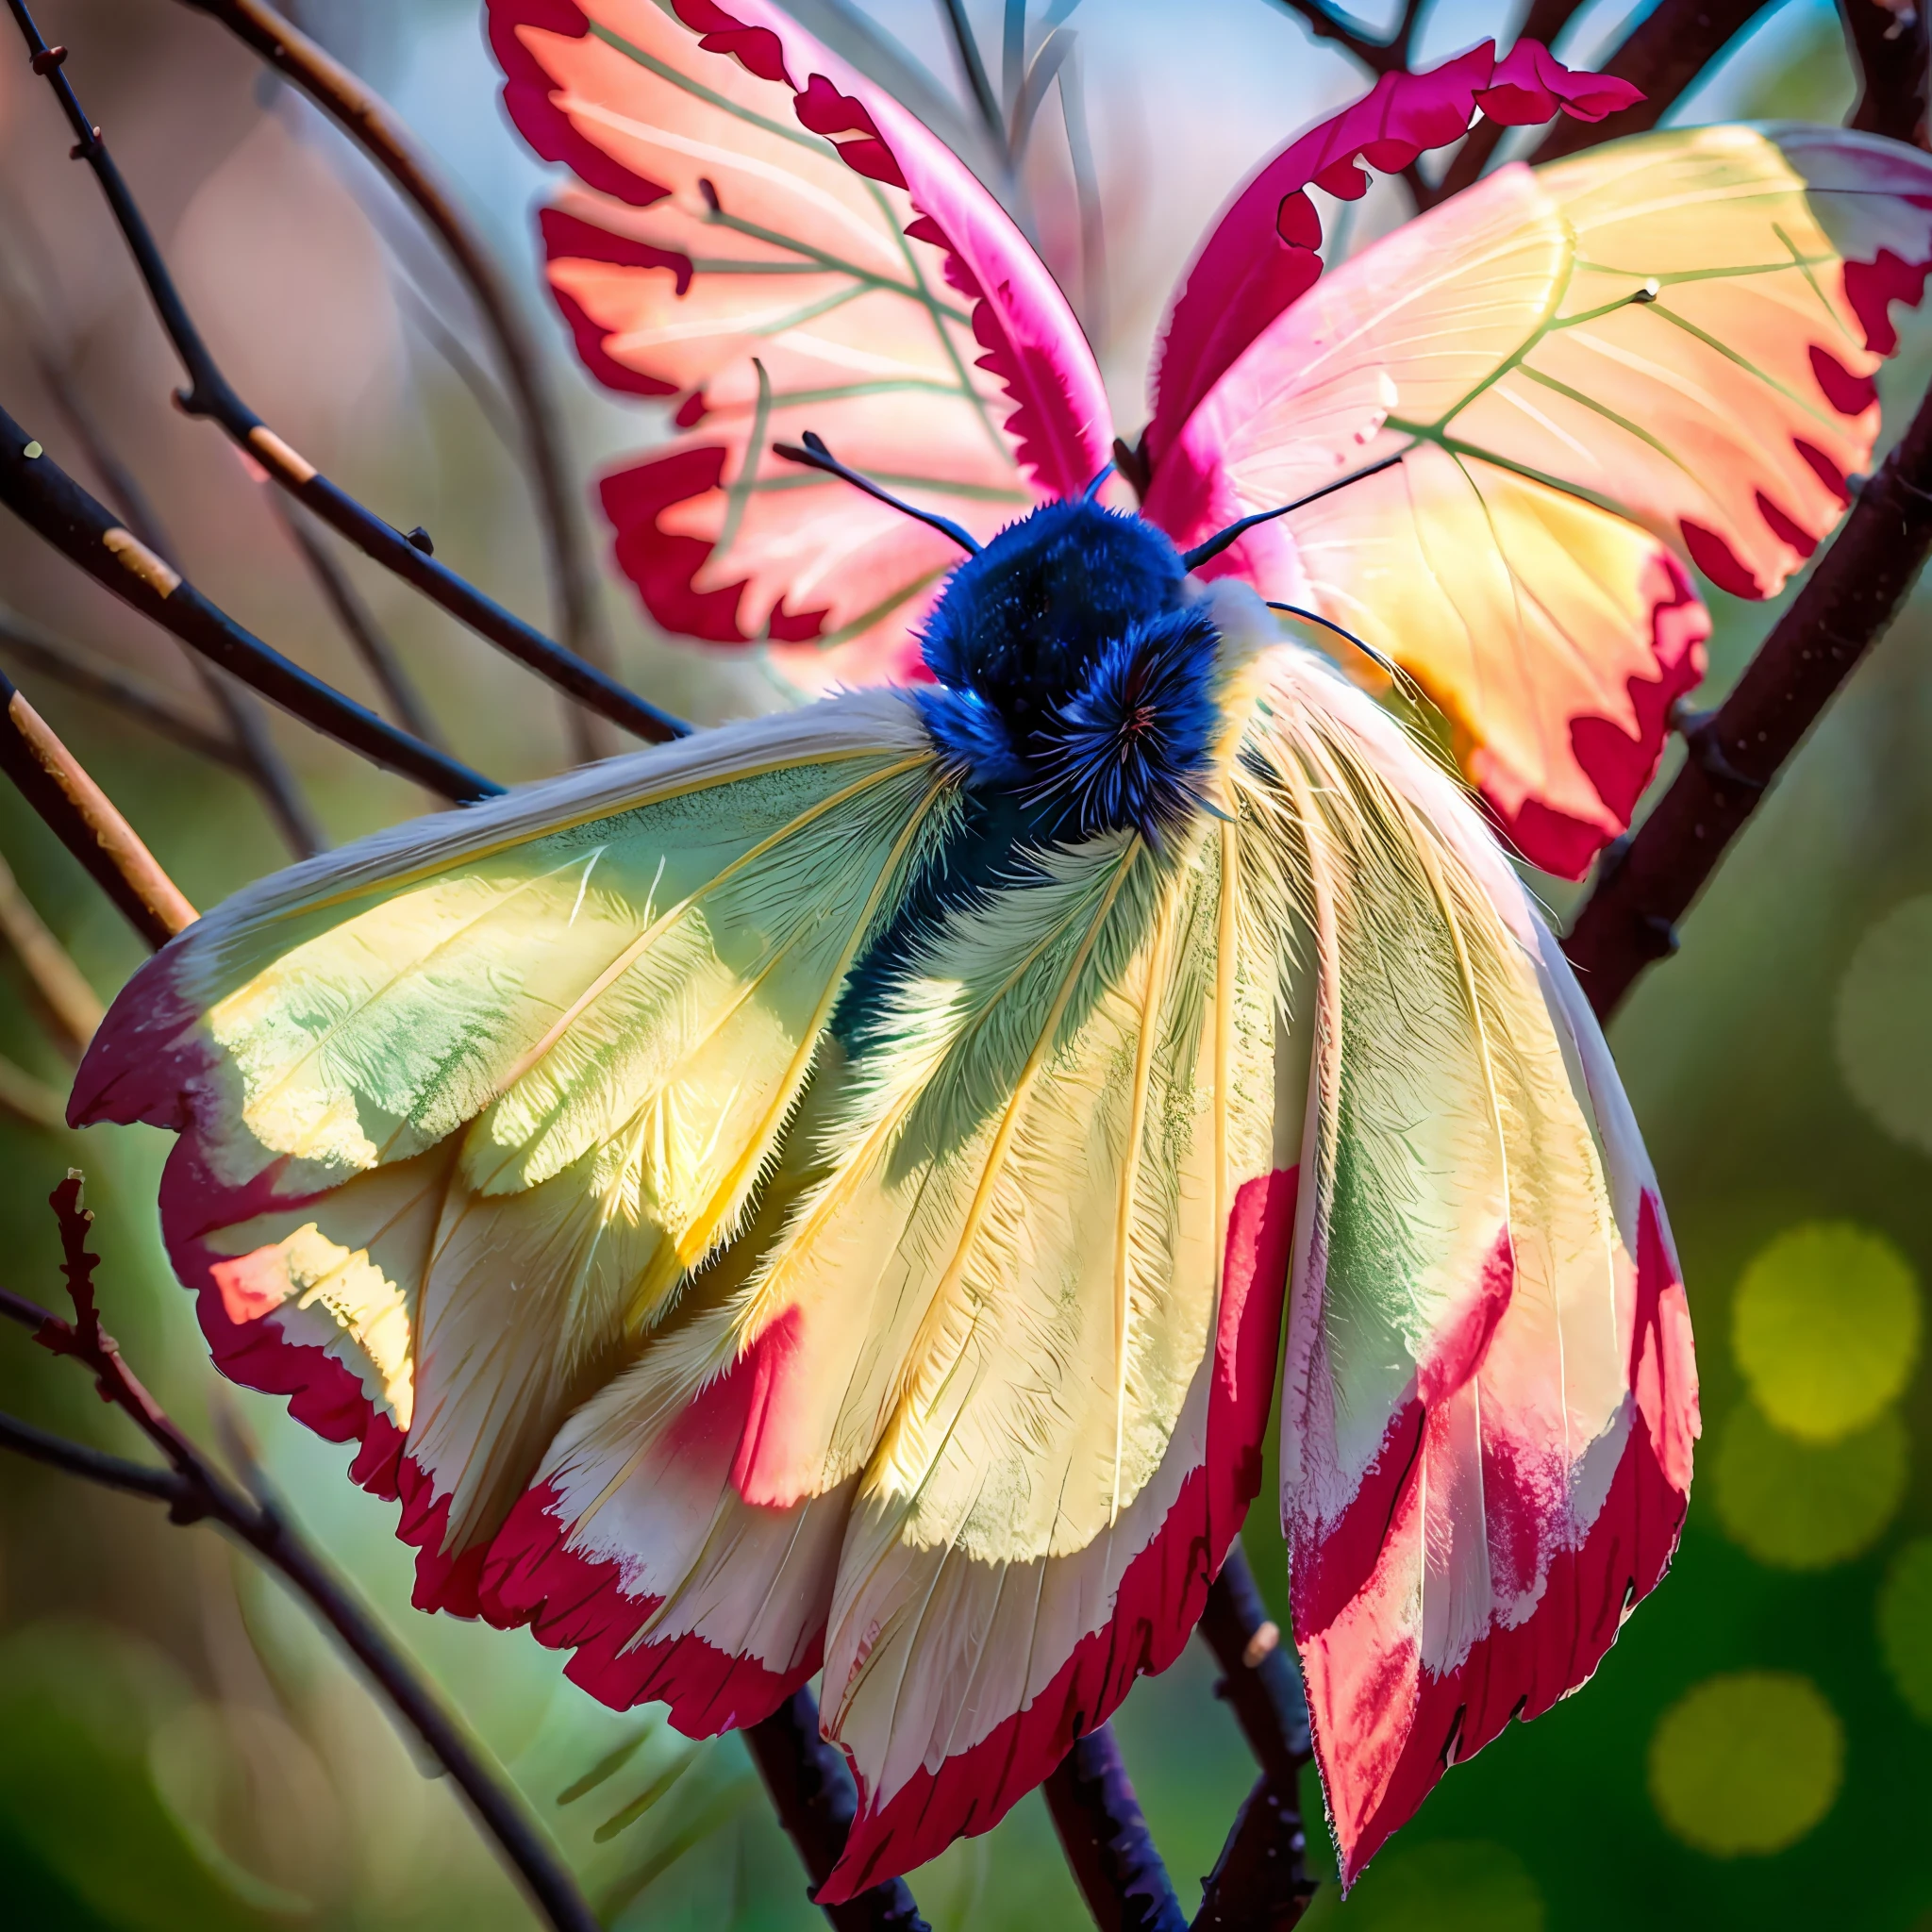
[1077, 671]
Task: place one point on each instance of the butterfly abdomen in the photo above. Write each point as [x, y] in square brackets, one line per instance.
[1075, 669]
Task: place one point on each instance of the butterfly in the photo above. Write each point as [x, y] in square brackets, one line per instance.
[844, 1192]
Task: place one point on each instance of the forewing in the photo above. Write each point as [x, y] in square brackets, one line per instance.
[1489, 1396]
[461, 1105]
[1675, 335]
[995, 1383]
[772, 245]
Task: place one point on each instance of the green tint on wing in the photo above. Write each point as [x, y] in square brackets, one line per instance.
[578, 1032]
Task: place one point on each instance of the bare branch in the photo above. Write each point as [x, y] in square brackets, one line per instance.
[1378, 57]
[257, 757]
[195, 1489]
[1646, 882]
[1106, 1838]
[1670, 47]
[44, 496]
[81, 816]
[816, 1801]
[28, 1099]
[973, 69]
[1544, 21]
[96, 678]
[355, 617]
[374, 128]
[1890, 46]
[209, 394]
[70, 1002]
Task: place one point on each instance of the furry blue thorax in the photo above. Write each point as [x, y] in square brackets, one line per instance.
[1076, 671]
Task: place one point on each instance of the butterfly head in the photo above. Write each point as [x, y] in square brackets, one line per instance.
[1077, 666]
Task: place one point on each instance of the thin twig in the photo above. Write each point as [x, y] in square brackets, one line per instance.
[72, 1004]
[1378, 57]
[29, 1099]
[973, 69]
[42, 495]
[376, 128]
[378, 653]
[96, 678]
[82, 817]
[209, 394]
[196, 1490]
[257, 756]
[815, 1799]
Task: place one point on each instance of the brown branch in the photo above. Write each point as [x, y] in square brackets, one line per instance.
[376, 128]
[44, 496]
[1891, 49]
[257, 757]
[815, 1799]
[1669, 48]
[29, 1099]
[1378, 57]
[72, 1004]
[1646, 884]
[196, 1490]
[356, 619]
[1106, 1838]
[1261, 1878]
[94, 677]
[1647, 881]
[81, 816]
[208, 393]
[1544, 21]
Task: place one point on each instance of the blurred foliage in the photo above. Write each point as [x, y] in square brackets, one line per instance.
[180, 1748]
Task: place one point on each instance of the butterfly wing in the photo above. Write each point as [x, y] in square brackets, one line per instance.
[1261, 253]
[462, 1105]
[772, 245]
[1489, 1392]
[974, 1424]
[1660, 349]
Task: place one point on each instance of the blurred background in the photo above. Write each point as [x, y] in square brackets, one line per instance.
[180, 1748]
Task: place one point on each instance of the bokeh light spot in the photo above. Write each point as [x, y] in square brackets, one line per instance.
[1453, 1885]
[1747, 1762]
[1826, 1328]
[1800, 1506]
[1905, 1624]
[1884, 1023]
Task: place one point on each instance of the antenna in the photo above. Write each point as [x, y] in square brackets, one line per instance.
[815, 455]
[1387, 665]
[1215, 544]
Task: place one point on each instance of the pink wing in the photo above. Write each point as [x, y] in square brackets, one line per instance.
[1586, 376]
[772, 245]
[1262, 252]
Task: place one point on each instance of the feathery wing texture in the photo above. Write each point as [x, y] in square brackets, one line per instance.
[461, 1105]
[1665, 343]
[1262, 252]
[976, 1425]
[1489, 1396]
[773, 244]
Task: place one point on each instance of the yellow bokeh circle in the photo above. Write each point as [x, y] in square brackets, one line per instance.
[1799, 1506]
[1905, 1624]
[1883, 1029]
[1826, 1327]
[1747, 1763]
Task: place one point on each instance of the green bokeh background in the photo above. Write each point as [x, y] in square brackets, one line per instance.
[179, 1749]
